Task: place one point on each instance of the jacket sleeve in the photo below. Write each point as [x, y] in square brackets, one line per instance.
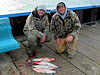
[46, 31]
[77, 25]
[29, 28]
[52, 25]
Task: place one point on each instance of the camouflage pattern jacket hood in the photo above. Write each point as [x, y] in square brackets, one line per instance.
[36, 25]
[70, 25]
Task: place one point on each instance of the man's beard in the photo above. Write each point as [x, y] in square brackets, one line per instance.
[61, 13]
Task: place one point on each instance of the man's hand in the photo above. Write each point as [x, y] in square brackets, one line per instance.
[43, 39]
[69, 39]
[58, 41]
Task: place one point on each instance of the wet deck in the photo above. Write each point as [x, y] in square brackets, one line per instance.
[85, 62]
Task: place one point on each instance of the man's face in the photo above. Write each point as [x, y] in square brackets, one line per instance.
[61, 9]
[41, 12]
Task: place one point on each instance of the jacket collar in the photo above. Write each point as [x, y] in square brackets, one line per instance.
[67, 14]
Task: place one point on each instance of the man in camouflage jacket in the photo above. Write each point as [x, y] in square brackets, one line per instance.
[65, 25]
[36, 29]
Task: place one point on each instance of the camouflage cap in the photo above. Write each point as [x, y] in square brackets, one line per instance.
[61, 4]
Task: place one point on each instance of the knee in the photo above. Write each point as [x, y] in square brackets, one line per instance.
[76, 37]
[32, 42]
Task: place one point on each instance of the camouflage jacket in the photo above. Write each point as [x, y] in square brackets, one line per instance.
[36, 26]
[63, 27]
